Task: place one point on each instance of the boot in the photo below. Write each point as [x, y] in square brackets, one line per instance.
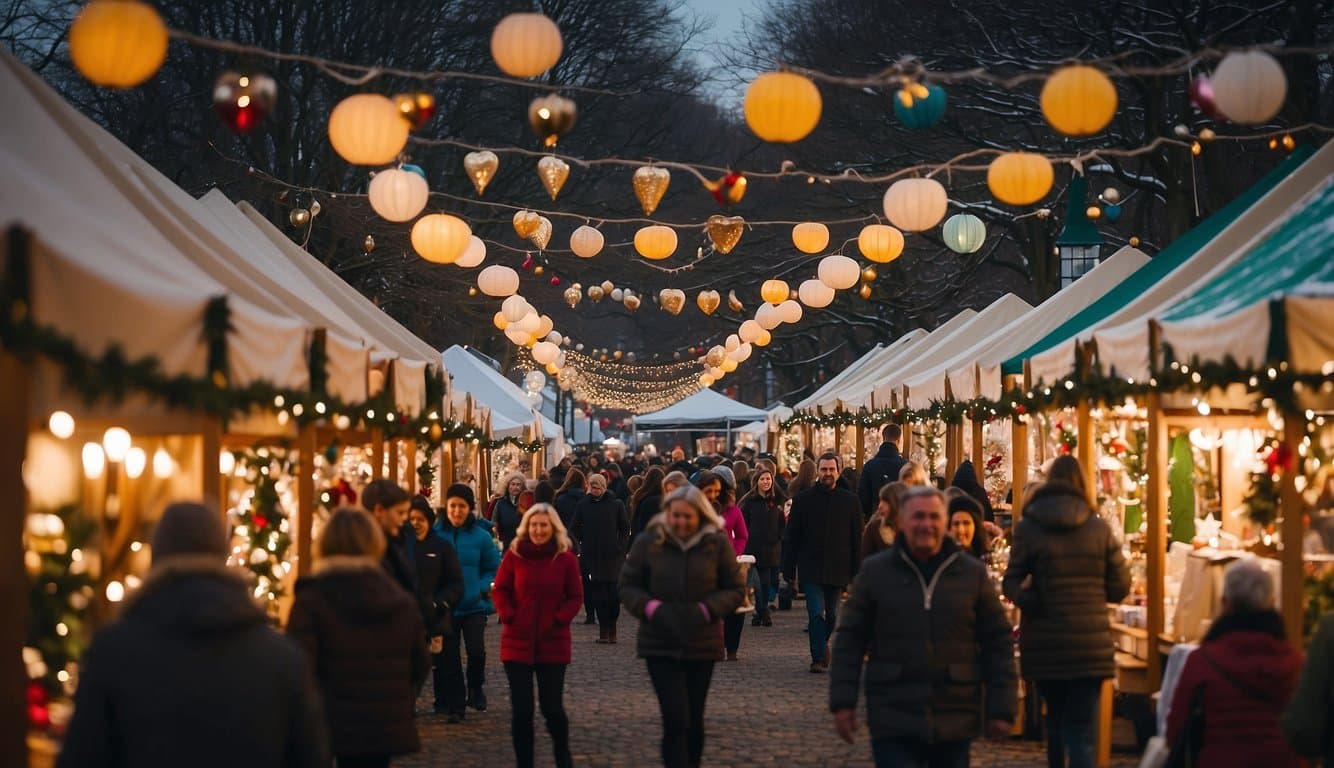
[477, 699]
[611, 635]
[604, 636]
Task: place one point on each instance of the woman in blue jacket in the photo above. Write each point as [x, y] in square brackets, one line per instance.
[472, 539]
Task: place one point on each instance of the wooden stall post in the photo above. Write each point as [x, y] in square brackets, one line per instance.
[1155, 542]
[392, 456]
[305, 499]
[1084, 449]
[979, 457]
[859, 455]
[447, 476]
[213, 486]
[14, 596]
[377, 453]
[410, 451]
[1018, 458]
[1290, 504]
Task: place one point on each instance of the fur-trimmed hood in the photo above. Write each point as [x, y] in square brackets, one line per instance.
[190, 594]
[710, 525]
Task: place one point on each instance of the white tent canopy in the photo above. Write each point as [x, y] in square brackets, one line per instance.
[510, 413]
[703, 410]
[847, 374]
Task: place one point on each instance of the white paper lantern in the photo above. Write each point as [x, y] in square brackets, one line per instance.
[815, 294]
[838, 272]
[544, 326]
[742, 353]
[767, 316]
[529, 324]
[498, 280]
[617, 294]
[733, 341]
[545, 352]
[367, 129]
[473, 255]
[440, 238]
[789, 311]
[1249, 87]
[964, 233]
[749, 331]
[915, 205]
[586, 242]
[398, 195]
[526, 44]
[705, 380]
[516, 336]
[555, 338]
[515, 308]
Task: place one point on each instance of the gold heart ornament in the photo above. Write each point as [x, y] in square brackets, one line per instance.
[650, 185]
[672, 299]
[481, 168]
[542, 235]
[725, 231]
[525, 223]
[708, 301]
[553, 172]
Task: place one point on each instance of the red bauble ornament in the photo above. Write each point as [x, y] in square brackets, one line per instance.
[36, 693]
[39, 710]
[555, 280]
[1021, 410]
[417, 108]
[261, 522]
[729, 189]
[1280, 459]
[1202, 96]
[243, 101]
[528, 261]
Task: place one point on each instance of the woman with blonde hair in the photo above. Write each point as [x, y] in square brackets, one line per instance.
[914, 474]
[878, 535]
[537, 594]
[365, 641]
[506, 514]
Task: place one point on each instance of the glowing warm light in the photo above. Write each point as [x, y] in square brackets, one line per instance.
[116, 443]
[94, 461]
[136, 461]
[61, 424]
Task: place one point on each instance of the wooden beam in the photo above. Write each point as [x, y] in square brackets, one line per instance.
[979, 455]
[1155, 514]
[1293, 595]
[447, 475]
[859, 455]
[392, 454]
[1088, 463]
[1018, 468]
[305, 500]
[213, 486]
[377, 453]
[14, 381]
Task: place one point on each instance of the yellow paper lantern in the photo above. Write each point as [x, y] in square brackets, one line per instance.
[815, 294]
[705, 380]
[880, 243]
[500, 322]
[915, 205]
[655, 242]
[810, 237]
[1020, 178]
[728, 365]
[838, 272]
[440, 238]
[586, 242]
[367, 129]
[774, 291]
[526, 44]
[398, 195]
[764, 338]
[498, 280]
[1078, 100]
[118, 43]
[782, 107]
[518, 337]
[1249, 87]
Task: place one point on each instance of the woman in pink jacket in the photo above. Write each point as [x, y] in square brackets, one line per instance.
[719, 486]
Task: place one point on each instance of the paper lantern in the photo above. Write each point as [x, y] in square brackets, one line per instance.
[789, 311]
[767, 316]
[515, 308]
[705, 380]
[1249, 87]
[473, 255]
[586, 242]
[499, 321]
[731, 344]
[782, 107]
[964, 233]
[715, 356]
[815, 294]
[880, 243]
[529, 323]
[838, 272]
[440, 238]
[398, 195]
[545, 352]
[655, 242]
[763, 339]
[774, 291]
[742, 353]
[118, 43]
[498, 280]
[526, 44]
[921, 110]
[1078, 100]
[481, 167]
[1020, 178]
[810, 237]
[545, 326]
[915, 205]
[367, 129]
[728, 365]
[517, 337]
[749, 331]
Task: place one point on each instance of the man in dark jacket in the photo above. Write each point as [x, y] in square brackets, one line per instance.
[881, 469]
[439, 573]
[388, 504]
[821, 542]
[602, 529]
[191, 673]
[938, 650]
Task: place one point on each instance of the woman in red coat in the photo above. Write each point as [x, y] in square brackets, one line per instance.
[538, 592]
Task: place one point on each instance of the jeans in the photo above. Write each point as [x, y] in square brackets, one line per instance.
[450, 695]
[606, 599]
[821, 614]
[902, 754]
[768, 589]
[1072, 714]
[550, 689]
[733, 623]
[682, 687]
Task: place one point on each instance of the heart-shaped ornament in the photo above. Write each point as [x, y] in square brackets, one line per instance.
[708, 301]
[725, 231]
[672, 299]
[650, 185]
[542, 235]
[553, 172]
[525, 223]
[733, 303]
[481, 168]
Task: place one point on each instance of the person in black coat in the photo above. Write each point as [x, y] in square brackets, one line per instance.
[569, 495]
[439, 573]
[506, 513]
[762, 509]
[191, 673]
[881, 469]
[603, 530]
[646, 503]
[965, 479]
[821, 543]
[388, 504]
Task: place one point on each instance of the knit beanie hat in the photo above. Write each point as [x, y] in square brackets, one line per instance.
[725, 474]
[461, 491]
[189, 529]
[422, 505]
[965, 503]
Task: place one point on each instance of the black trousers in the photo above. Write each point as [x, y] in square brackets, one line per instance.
[550, 690]
[732, 626]
[606, 598]
[590, 604]
[682, 688]
[468, 632]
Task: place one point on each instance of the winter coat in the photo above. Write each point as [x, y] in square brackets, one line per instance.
[879, 471]
[191, 674]
[764, 521]
[647, 509]
[505, 516]
[734, 525]
[1308, 724]
[538, 593]
[965, 479]
[682, 574]
[822, 537]
[566, 503]
[397, 564]
[938, 650]
[479, 558]
[876, 537]
[603, 530]
[366, 643]
[1077, 568]
[439, 580]
[1243, 674]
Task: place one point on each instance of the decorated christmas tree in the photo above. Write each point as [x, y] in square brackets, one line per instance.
[59, 595]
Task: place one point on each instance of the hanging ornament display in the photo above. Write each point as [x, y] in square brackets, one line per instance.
[595, 293]
[865, 291]
[708, 301]
[1020, 178]
[398, 195]
[551, 117]
[767, 316]
[1249, 87]
[298, 217]
[650, 183]
[919, 106]
[440, 238]
[481, 168]
[586, 242]
[655, 242]
[366, 129]
[1112, 211]
[964, 233]
[573, 295]
[526, 44]
[617, 294]
[672, 300]
[810, 236]
[724, 232]
[782, 107]
[607, 286]
[553, 172]
[473, 255]
[774, 291]
[542, 234]
[498, 280]
[915, 205]
[525, 223]
[527, 261]
[838, 272]
[815, 294]
[729, 189]
[243, 101]
[1202, 96]
[749, 331]
[733, 303]
[715, 356]
[880, 243]
[368, 244]
[631, 302]
[869, 275]
[417, 108]
[1078, 100]
[789, 311]
[118, 44]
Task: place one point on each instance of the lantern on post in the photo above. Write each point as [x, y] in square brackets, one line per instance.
[1080, 243]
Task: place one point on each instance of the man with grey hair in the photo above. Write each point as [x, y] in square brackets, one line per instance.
[925, 621]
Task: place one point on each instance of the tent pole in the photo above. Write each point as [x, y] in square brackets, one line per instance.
[1155, 511]
[14, 599]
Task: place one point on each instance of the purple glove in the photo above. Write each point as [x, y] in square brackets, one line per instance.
[652, 608]
[705, 610]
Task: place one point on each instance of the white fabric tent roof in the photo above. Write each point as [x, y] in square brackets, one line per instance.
[853, 369]
[870, 366]
[510, 412]
[1014, 337]
[777, 414]
[705, 408]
